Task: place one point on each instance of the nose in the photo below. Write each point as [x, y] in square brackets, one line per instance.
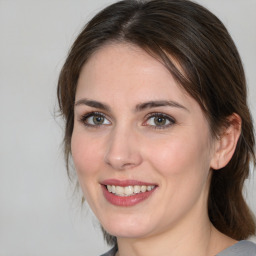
[123, 151]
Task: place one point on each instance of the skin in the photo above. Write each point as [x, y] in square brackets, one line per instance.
[176, 156]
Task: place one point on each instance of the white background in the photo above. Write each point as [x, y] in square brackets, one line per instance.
[39, 215]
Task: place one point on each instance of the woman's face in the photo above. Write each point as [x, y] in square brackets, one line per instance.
[141, 146]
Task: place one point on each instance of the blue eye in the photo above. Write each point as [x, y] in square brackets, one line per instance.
[95, 119]
[159, 121]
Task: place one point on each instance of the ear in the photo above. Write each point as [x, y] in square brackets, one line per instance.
[225, 145]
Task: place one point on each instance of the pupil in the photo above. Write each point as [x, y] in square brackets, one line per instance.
[98, 120]
[160, 121]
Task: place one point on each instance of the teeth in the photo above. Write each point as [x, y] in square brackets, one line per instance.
[150, 188]
[128, 190]
[136, 189]
[119, 190]
[143, 188]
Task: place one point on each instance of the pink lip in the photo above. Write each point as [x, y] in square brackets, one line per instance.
[125, 201]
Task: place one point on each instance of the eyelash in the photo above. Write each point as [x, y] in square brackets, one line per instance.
[84, 119]
[171, 120]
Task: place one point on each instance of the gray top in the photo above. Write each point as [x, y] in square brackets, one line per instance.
[241, 248]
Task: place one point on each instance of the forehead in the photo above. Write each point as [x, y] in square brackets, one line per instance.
[126, 72]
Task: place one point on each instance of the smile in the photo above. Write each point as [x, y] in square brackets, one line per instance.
[126, 193]
[128, 190]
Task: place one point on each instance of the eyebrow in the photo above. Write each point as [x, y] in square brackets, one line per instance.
[93, 104]
[159, 103]
[139, 107]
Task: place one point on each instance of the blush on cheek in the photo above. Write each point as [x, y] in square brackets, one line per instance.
[84, 156]
[170, 157]
[179, 157]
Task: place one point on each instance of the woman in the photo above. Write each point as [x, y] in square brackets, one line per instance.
[154, 98]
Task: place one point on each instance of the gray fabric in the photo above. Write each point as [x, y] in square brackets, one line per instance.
[239, 249]
[242, 248]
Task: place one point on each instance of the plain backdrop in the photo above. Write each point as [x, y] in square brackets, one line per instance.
[39, 214]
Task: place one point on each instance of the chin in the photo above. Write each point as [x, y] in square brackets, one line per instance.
[129, 228]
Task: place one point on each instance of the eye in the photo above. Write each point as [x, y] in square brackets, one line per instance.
[95, 119]
[159, 121]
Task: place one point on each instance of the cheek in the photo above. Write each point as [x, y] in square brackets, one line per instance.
[181, 155]
[85, 154]
[183, 164]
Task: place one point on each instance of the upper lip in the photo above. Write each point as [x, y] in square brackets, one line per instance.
[124, 183]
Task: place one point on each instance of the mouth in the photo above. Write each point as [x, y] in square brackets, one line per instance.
[128, 190]
[127, 193]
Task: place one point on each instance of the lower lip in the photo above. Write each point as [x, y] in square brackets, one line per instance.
[126, 201]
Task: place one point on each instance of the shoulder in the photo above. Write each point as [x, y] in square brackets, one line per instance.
[240, 248]
[111, 252]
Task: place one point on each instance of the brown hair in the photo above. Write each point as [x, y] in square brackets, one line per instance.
[214, 77]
